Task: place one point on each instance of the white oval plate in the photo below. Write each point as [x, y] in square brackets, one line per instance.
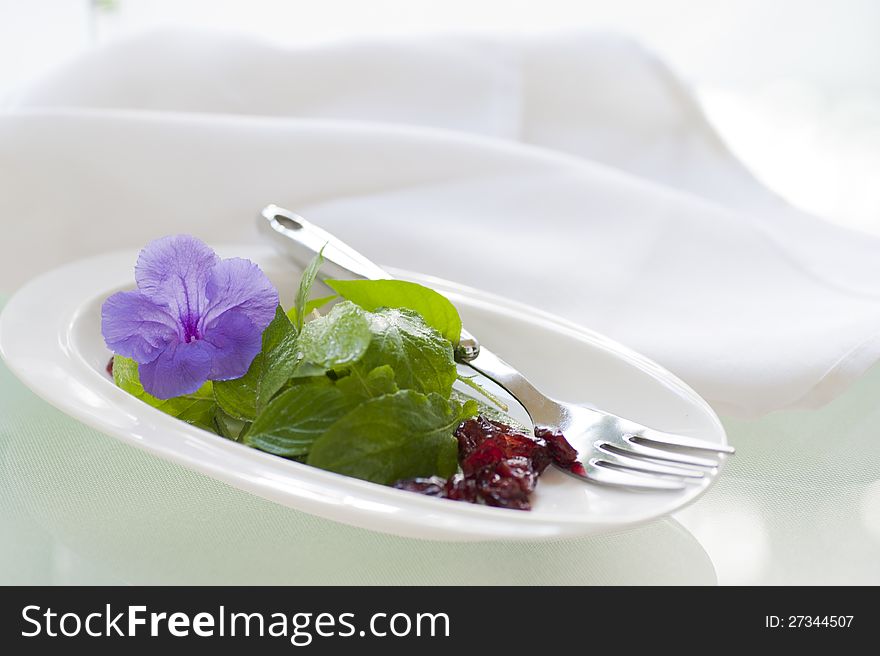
[50, 338]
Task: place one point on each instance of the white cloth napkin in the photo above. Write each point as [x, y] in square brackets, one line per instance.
[571, 171]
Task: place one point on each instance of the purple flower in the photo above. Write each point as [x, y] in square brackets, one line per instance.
[194, 317]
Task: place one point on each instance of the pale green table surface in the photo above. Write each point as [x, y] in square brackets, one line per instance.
[800, 503]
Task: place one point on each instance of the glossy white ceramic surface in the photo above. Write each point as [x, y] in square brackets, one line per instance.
[50, 338]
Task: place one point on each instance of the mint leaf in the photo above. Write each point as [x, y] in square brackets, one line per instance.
[242, 398]
[196, 408]
[311, 306]
[305, 287]
[333, 341]
[437, 311]
[474, 385]
[392, 437]
[298, 416]
[228, 427]
[301, 414]
[421, 358]
[473, 407]
[469, 409]
[238, 398]
[279, 357]
[376, 383]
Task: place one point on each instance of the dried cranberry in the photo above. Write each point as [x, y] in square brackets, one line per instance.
[535, 449]
[432, 487]
[486, 454]
[504, 493]
[109, 367]
[459, 488]
[508, 484]
[560, 450]
[499, 465]
[474, 432]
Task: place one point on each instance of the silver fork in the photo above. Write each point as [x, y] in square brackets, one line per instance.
[613, 450]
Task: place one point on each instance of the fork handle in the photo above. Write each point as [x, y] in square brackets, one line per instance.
[542, 410]
[301, 240]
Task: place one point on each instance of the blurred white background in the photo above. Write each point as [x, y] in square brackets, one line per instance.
[792, 85]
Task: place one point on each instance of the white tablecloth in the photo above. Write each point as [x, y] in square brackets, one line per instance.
[570, 171]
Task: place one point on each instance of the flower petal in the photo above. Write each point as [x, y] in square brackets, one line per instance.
[239, 284]
[134, 326]
[180, 369]
[236, 341]
[174, 271]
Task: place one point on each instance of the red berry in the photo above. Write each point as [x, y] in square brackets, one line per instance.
[432, 487]
[500, 466]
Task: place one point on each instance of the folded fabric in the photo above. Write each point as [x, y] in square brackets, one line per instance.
[570, 171]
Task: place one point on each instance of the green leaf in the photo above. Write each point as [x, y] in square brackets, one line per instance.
[437, 311]
[311, 306]
[298, 416]
[279, 357]
[228, 427]
[473, 407]
[196, 408]
[470, 408]
[377, 382]
[238, 398]
[421, 358]
[305, 287]
[474, 385]
[392, 437]
[244, 397]
[335, 340]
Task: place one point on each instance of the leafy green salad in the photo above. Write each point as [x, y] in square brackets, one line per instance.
[359, 383]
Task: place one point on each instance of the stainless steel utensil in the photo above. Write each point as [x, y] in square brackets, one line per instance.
[613, 450]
